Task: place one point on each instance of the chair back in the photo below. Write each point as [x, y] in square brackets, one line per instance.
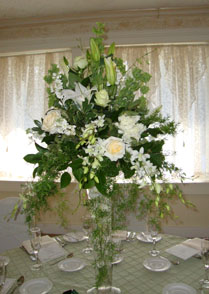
[12, 232]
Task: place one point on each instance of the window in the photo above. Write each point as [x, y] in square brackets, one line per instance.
[180, 82]
[22, 99]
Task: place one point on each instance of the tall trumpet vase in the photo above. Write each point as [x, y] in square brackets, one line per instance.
[100, 208]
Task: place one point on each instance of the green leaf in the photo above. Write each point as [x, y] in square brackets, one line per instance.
[65, 180]
[78, 173]
[65, 60]
[40, 148]
[73, 78]
[89, 184]
[35, 171]
[77, 163]
[38, 123]
[126, 168]
[32, 158]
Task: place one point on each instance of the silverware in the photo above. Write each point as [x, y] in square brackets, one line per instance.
[68, 256]
[175, 262]
[61, 242]
[20, 281]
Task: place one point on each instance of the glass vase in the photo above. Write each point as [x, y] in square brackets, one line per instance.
[100, 208]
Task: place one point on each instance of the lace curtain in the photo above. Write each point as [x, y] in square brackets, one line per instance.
[180, 83]
[22, 99]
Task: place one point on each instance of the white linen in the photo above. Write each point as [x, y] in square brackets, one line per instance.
[182, 251]
[49, 250]
[9, 283]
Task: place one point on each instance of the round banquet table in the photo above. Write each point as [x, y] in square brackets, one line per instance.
[129, 275]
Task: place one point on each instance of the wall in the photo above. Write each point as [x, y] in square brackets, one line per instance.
[124, 27]
[190, 222]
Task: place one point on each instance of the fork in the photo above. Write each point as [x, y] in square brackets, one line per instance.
[61, 242]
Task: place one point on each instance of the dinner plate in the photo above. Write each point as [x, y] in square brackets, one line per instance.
[178, 288]
[5, 259]
[73, 237]
[36, 286]
[157, 264]
[71, 265]
[144, 237]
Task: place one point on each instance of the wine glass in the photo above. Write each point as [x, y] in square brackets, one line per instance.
[36, 245]
[205, 257]
[154, 235]
[87, 227]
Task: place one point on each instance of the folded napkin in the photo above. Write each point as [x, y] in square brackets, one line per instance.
[186, 249]
[194, 243]
[49, 250]
[122, 235]
[8, 286]
[45, 240]
[74, 236]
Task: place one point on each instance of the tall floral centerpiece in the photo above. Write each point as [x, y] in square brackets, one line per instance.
[98, 128]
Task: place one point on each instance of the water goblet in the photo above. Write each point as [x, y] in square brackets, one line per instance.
[154, 235]
[87, 227]
[205, 257]
[36, 245]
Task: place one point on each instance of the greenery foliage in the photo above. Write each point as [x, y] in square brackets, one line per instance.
[99, 125]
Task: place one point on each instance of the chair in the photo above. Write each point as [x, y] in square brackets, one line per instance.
[12, 232]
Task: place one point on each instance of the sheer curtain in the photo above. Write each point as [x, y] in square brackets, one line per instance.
[22, 99]
[180, 83]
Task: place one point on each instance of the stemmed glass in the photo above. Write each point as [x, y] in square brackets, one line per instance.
[36, 245]
[87, 227]
[154, 235]
[205, 256]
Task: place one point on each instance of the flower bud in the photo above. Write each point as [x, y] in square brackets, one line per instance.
[64, 67]
[102, 98]
[80, 62]
[111, 49]
[110, 70]
[94, 50]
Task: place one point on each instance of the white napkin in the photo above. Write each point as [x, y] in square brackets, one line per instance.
[8, 285]
[74, 236]
[194, 243]
[45, 240]
[122, 235]
[182, 251]
[49, 250]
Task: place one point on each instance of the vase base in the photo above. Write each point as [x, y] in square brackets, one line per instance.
[104, 290]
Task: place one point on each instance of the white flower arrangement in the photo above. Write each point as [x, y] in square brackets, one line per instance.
[99, 124]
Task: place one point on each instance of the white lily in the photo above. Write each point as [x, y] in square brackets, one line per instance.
[79, 95]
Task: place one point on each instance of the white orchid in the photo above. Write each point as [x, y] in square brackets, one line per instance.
[79, 95]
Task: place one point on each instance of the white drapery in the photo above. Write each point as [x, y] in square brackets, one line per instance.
[180, 83]
[22, 100]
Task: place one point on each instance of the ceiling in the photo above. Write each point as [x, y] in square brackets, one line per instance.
[19, 9]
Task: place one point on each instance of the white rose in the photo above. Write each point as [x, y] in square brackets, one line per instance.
[102, 98]
[127, 121]
[129, 128]
[80, 61]
[50, 119]
[114, 148]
